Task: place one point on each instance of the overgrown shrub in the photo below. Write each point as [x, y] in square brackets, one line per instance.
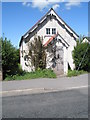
[81, 56]
[19, 70]
[37, 53]
[45, 73]
[10, 58]
[75, 73]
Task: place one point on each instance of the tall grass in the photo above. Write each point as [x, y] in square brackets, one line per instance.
[75, 73]
[46, 73]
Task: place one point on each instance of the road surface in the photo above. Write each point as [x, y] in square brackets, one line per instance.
[61, 104]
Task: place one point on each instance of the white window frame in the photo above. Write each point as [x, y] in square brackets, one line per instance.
[48, 31]
[53, 31]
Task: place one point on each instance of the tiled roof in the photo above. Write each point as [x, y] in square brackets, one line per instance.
[50, 39]
[53, 37]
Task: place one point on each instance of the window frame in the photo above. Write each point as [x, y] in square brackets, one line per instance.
[48, 31]
[53, 31]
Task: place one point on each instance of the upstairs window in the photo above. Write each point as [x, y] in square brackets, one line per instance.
[47, 30]
[53, 30]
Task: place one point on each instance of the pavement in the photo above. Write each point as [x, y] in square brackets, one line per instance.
[40, 85]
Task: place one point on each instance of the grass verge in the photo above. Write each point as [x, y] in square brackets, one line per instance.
[75, 73]
[46, 73]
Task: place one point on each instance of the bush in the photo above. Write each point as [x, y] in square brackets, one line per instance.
[37, 53]
[75, 73]
[10, 58]
[78, 55]
[19, 70]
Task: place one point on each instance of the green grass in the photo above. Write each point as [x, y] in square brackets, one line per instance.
[46, 73]
[75, 73]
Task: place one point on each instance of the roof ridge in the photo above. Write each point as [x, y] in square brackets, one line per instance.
[37, 22]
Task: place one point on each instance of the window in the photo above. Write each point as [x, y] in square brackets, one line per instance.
[47, 30]
[53, 30]
[58, 56]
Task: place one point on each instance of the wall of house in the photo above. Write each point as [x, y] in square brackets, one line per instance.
[50, 56]
[25, 63]
[42, 32]
[70, 40]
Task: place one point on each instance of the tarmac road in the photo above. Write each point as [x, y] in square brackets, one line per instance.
[61, 104]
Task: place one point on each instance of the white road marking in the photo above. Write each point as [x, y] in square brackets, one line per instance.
[43, 89]
[26, 90]
[76, 87]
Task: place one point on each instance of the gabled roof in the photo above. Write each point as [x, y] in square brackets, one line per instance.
[28, 32]
[40, 21]
[53, 37]
[88, 38]
[66, 24]
[37, 23]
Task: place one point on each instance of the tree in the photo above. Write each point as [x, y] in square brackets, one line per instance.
[81, 56]
[0, 58]
[37, 53]
[10, 58]
[80, 40]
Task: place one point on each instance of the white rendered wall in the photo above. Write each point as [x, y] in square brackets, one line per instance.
[67, 52]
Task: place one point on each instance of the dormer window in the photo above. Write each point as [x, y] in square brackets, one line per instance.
[53, 30]
[47, 31]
